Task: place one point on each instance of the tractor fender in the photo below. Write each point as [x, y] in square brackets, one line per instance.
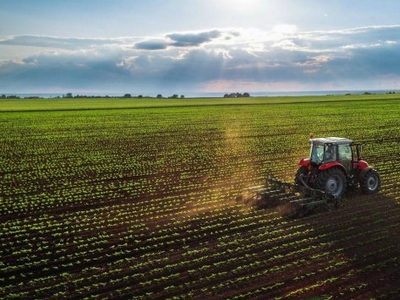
[304, 162]
[333, 164]
[361, 165]
[363, 172]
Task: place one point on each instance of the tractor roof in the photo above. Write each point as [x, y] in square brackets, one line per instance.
[331, 140]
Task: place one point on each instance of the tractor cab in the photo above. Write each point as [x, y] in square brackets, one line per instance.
[333, 150]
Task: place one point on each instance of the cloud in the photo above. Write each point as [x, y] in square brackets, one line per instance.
[82, 71]
[193, 39]
[196, 66]
[181, 40]
[179, 62]
[59, 43]
[152, 45]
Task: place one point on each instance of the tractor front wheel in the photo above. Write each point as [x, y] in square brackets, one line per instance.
[332, 181]
[370, 182]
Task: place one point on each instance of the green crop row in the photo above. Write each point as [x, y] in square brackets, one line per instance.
[140, 199]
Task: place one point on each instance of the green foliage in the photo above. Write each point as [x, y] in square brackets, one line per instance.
[137, 198]
[142, 102]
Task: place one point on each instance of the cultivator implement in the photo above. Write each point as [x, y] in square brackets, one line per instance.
[292, 200]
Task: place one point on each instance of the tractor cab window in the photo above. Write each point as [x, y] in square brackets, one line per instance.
[317, 153]
[330, 153]
[345, 156]
[323, 153]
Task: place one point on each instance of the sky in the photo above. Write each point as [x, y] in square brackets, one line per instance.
[198, 47]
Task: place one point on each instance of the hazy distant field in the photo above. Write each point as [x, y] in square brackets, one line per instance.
[137, 198]
[104, 103]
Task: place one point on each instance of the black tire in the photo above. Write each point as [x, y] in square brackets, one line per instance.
[302, 171]
[332, 181]
[370, 182]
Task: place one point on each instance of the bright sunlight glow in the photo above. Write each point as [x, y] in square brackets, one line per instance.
[242, 5]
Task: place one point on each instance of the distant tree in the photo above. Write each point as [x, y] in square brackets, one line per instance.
[3, 96]
[174, 96]
[236, 95]
[159, 96]
[127, 96]
[182, 96]
[68, 95]
[140, 96]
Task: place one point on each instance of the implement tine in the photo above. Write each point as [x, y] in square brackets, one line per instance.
[277, 184]
[294, 199]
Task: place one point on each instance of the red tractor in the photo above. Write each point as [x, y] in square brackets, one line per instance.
[334, 165]
[321, 180]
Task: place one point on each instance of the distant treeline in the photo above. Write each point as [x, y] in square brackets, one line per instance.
[70, 96]
[236, 95]
[159, 96]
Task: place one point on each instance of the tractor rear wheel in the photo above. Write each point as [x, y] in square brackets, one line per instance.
[332, 181]
[371, 182]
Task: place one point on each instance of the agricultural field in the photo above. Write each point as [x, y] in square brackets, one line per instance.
[128, 198]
